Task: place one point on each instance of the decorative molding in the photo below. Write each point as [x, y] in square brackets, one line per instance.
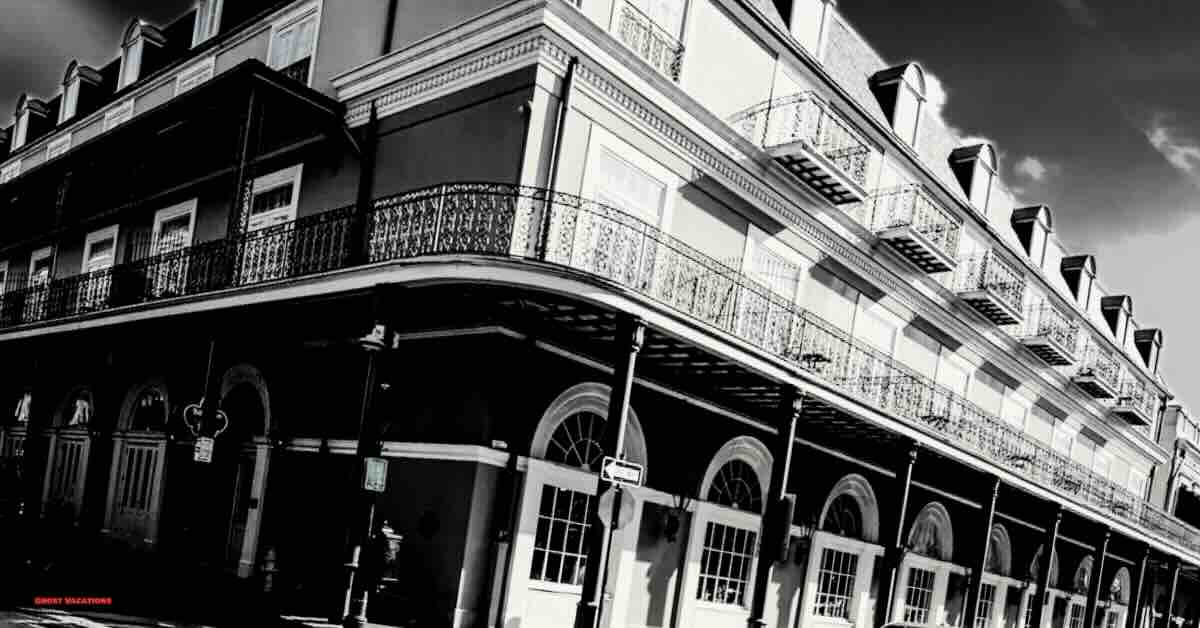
[451, 452]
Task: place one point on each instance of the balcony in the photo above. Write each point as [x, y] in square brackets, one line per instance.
[1135, 404]
[502, 221]
[1099, 373]
[812, 142]
[917, 226]
[653, 43]
[1050, 335]
[993, 287]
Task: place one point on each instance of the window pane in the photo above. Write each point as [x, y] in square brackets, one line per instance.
[628, 188]
[725, 564]
[558, 543]
[835, 584]
[918, 596]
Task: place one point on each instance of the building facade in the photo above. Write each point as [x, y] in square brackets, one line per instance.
[308, 231]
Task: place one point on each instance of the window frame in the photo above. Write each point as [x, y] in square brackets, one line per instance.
[45, 252]
[195, 75]
[294, 18]
[70, 100]
[94, 237]
[20, 130]
[867, 554]
[707, 512]
[937, 601]
[3, 277]
[602, 139]
[131, 61]
[167, 214]
[292, 175]
[204, 30]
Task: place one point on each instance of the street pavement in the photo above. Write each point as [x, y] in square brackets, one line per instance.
[37, 617]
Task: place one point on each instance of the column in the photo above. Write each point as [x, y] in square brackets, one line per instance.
[894, 550]
[979, 565]
[1133, 615]
[1172, 590]
[359, 243]
[775, 528]
[1042, 593]
[1097, 583]
[237, 212]
[628, 342]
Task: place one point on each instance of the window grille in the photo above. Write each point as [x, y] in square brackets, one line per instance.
[558, 551]
[725, 564]
[918, 597]
[835, 584]
[1076, 618]
[576, 441]
[983, 614]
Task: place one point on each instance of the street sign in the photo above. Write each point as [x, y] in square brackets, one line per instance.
[202, 452]
[604, 508]
[375, 475]
[621, 472]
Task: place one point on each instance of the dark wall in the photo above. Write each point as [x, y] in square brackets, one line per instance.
[417, 19]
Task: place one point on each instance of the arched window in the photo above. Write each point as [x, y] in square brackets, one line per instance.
[1036, 564]
[572, 428]
[577, 441]
[1083, 576]
[737, 486]
[139, 37]
[931, 534]
[999, 560]
[844, 518]
[79, 409]
[24, 405]
[851, 510]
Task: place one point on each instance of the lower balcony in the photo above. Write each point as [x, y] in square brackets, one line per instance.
[1135, 405]
[805, 136]
[1098, 374]
[914, 224]
[993, 287]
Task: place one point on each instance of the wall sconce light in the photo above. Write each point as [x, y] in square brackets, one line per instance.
[802, 539]
[672, 519]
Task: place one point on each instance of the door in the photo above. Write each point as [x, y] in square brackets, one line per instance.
[266, 249]
[99, 253]
[240, 509]
[138, 488]
[39, 280]
[171, 237]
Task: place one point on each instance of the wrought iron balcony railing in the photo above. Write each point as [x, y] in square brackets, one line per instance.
[992, 286]
[808, 138]
[1050, 334]
[509, 221]
[916, 225]
[1099, 373]
[1136, 403]
[653, 43]
[298, 71]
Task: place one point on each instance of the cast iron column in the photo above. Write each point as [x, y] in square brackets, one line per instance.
[776, 515]
[1169, 611]
[1043, 583]
[1097, 583]
[360, 240]
[1137, 591]
[894, 551]
[628, 342]
[975, 590]
[354, 606]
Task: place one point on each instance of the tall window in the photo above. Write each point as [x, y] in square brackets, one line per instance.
[983, 614]
[725, 564]
[70, 101]
[835, 583]
[21, 132]
[274, 198]
[208, 20]
[131, 61]
[624, 186]
[562, 525]
[3, 277]
[292, 43]
[918, 596]
[39, 267]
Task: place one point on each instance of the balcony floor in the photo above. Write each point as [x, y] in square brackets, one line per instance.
[1094, 386]
[1132, 415]
[818, 172]
[1049, 350]
[991, 306]
[918, 249]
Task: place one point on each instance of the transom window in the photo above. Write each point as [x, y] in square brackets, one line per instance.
[562, 525]
[576, 441]
[835, 584]
[725, 564]
[844, 517]
[918, 596]
[736, 486]
[149, 411]
[983, 614]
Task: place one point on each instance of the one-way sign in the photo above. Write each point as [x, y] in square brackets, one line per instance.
[621, 472]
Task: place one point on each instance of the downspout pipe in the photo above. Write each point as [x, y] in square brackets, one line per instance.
[389, 29]
[564, 105]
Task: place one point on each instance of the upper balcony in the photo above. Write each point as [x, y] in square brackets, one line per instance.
[653, 43]
[807, 137]
[1050, 335]
[992, 286]
[1135, 403]
[917, 226]
[508, 223]
[1099, 372]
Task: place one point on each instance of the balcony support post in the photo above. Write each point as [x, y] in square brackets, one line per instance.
[1096, 585]
[1042, 593]
[1172, 591]
[238, 212]
[894, 551]
[771, 537]
[979, 564]
[628, 342]
[359, 238]
[1137, 590]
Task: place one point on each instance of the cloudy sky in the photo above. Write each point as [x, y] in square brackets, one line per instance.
[1094, 107]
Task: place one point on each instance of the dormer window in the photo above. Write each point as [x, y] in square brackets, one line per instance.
[1079, 271]
[208, 21]
[1149, 346]
[141, 39]
[1033, 226]
[75, 81]
[1117, 310]
[901, 93]
[30, 117]
[975, 169]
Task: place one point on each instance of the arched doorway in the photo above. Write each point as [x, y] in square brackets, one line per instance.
[135, 485]
[70, 448]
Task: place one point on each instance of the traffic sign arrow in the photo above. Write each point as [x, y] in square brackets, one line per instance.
[621, 472]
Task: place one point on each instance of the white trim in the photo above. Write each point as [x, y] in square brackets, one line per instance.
[600, 139]
[46, 252]
[99, 235]
[10, 171]
[280, 178]
[593, 397]
[476, 454]
[118, 114]
[186, 208]
[292, 18]
[860, 602]
[58, 146]
[70, 96]
[748, 449]
[859, 488]
[196, 74]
